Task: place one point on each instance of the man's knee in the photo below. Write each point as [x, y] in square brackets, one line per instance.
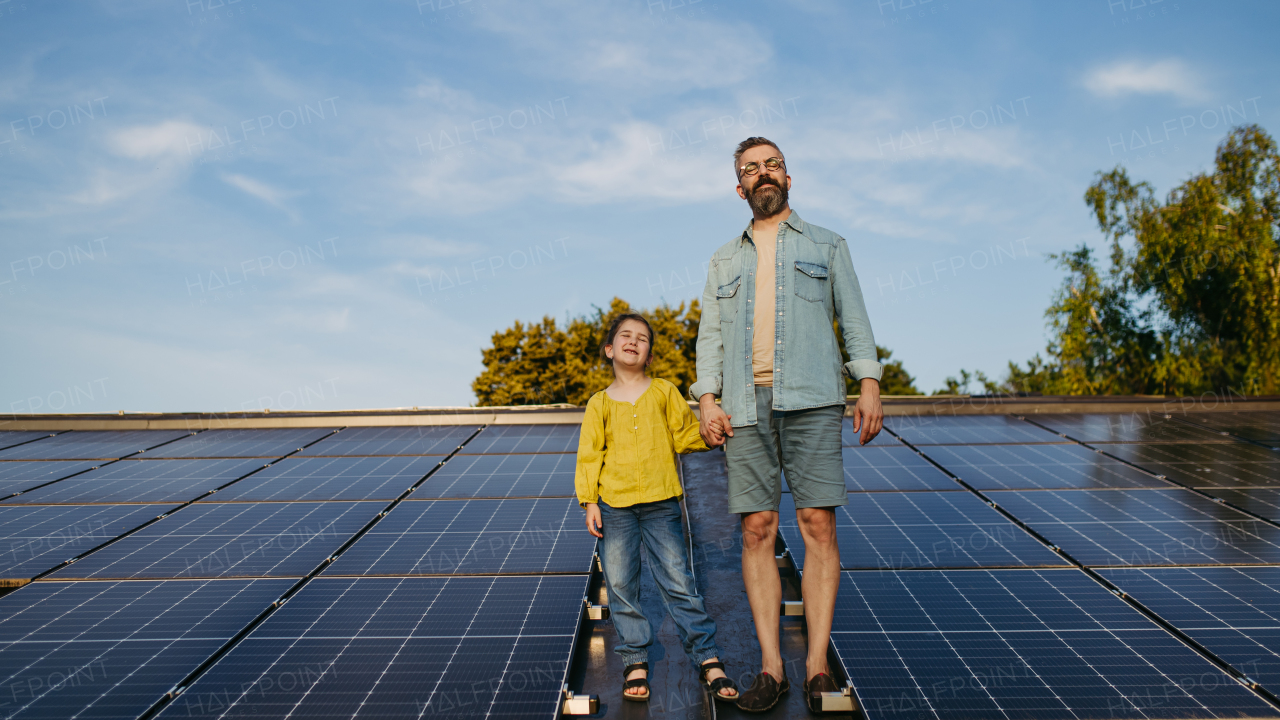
[817, 524]
[759, 528]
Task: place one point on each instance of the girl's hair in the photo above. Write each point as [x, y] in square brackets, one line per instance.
[613, 331]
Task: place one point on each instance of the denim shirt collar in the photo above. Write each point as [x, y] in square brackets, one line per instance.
[793, 220]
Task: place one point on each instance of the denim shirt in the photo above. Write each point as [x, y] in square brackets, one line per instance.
[816, 284]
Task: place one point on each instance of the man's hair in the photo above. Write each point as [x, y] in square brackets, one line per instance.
[617, 323]
[749, 143]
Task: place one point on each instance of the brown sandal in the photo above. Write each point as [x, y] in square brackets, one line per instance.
[636, 682]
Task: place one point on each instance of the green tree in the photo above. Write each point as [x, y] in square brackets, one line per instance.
[539, 364]
[1190, 300]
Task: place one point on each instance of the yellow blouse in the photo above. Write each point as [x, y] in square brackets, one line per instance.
[626, 454]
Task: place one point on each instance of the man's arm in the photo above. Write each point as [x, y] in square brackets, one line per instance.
[859, 342]
[712, 421]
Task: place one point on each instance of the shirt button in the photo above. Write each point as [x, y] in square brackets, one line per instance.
[779, 342]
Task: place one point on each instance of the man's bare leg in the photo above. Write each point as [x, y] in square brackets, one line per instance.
[821, 580]
[764, 587]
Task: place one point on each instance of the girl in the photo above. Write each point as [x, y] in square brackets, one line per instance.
[626, 479]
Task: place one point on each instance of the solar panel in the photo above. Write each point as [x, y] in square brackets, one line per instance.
[1264, 502]
[272, 442]
[91, 445]
[230, 540]
[849, 438]
[1038, 467]
[38, 537]
[1018, 644]
[967, 430]
[1233, 611]
[420, 440]
[473, 537]
[332, 478]
[1205, 466]
[9, 438]
[1130, 427]
[129, 481]
[111, 649]
[19, 475]
[870, 469]
[498, 476]
[922, 530]
[500, 439]
[401, 647]
[1262, 427]
[1143, 527]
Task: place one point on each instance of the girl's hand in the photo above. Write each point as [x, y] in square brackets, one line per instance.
[594, 523]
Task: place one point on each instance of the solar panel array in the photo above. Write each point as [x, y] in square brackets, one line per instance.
[314, 572]
[1060, 566]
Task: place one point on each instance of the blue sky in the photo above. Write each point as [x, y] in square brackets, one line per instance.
[224, 206]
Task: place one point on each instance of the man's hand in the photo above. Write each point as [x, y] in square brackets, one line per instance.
[594, 522]
[713, 423]
[868, 416]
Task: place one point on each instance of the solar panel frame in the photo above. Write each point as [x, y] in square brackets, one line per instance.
[1263, 502]
[878, 531]
[101, 649]
[510, 439]
[1127, 428]
[1038, 467]
[324, 478]
[473, 537]
[395, 440]
[1108, 528]
[967, 430]
[391, 647]
[92, 444]
[502, 476]
[39, 537]
[894, 469]
[142, 481]
[1017, 643]
[216, 540]
[231, 443]
[9, 438]
[19, 476]
[1257, 426]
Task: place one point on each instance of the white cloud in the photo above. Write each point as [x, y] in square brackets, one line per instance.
[264, 192]
[1164, 77]
[142, 142]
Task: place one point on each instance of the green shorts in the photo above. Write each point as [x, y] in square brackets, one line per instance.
[803, 443]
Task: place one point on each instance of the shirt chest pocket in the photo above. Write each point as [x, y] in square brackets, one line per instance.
[812, 281]
[727, 300]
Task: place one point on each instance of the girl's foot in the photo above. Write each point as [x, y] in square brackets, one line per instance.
[635, 684]
[712, 675]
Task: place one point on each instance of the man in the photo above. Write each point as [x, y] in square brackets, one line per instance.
[767, 348]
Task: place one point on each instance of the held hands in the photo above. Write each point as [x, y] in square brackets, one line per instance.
[713, 423]
[868, 415]
[594, 523]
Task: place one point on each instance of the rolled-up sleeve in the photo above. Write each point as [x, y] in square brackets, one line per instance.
[586, 476]
[710, 349]
[852, 314]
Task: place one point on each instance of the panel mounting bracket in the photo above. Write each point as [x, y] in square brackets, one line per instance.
[783, 559]
[579, 704]
[792, 608]
[841, 702]
[596, 612]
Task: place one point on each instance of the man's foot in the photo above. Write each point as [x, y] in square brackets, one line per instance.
[635, 684]
[815, 686]
[764, 693]
[712, 675]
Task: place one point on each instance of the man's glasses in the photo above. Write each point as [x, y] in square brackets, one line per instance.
[772, 165]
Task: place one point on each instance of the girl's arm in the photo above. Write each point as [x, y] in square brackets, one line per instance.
[586, 477]
[682, 423]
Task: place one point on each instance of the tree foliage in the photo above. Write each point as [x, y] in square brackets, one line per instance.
[540, 363]
[1190, 299]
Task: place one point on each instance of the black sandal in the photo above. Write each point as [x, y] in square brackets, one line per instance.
[636, 682]
[720, 683]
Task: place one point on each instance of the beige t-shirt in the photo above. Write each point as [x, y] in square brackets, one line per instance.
[762, 323]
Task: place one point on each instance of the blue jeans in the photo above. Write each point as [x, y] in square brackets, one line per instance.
[657, 526]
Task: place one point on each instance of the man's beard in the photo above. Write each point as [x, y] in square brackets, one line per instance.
[767, 204]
